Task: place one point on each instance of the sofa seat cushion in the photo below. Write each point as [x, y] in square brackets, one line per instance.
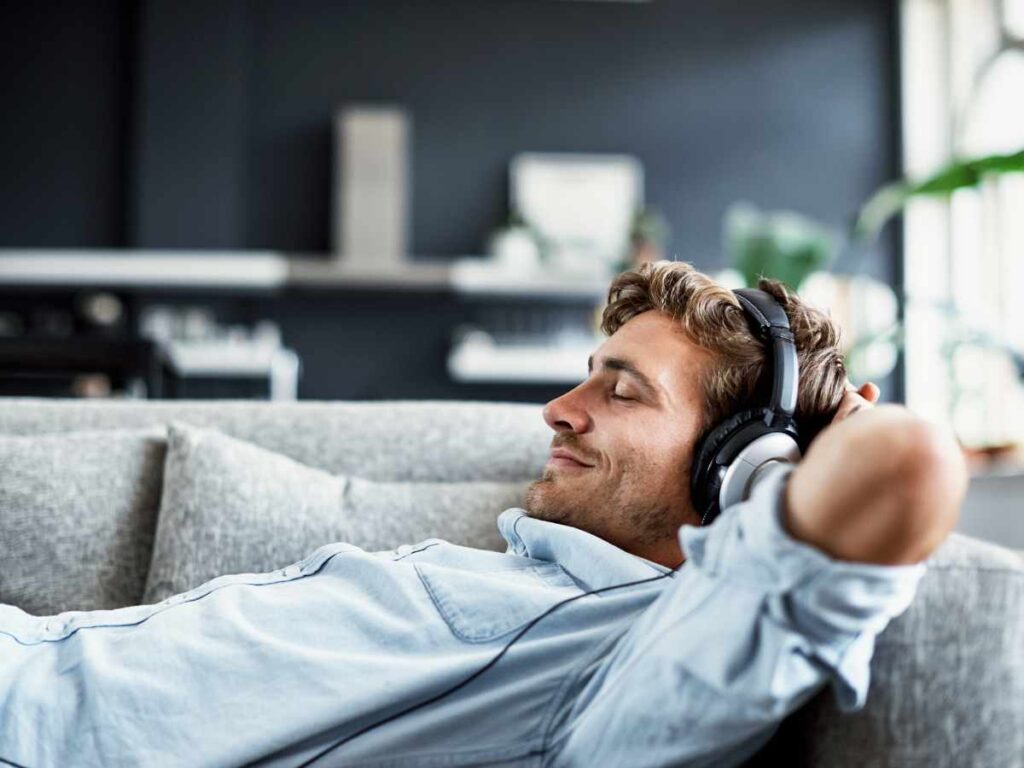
[77, 517]
[233, 507]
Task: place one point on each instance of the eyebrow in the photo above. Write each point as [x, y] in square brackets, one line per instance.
[619, 364]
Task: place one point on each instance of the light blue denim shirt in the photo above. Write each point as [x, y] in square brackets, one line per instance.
[693, 669]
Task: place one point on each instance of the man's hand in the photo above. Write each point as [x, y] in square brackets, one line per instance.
[855, 400]
[884, 487]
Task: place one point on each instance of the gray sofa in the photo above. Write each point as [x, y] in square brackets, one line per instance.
[101, 505]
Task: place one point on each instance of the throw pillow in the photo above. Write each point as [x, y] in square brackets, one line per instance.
[77, 517]
[232, 507]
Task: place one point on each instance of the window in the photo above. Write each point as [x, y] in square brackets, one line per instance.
[963, 96]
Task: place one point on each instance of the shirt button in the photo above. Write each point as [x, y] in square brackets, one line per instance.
[56, 626]
[291, 571]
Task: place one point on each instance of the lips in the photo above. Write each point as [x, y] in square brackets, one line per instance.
[562, 458]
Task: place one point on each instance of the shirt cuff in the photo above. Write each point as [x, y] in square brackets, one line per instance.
[838, 607]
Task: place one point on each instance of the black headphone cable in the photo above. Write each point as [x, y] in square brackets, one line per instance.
[408, 710]
[437, 697]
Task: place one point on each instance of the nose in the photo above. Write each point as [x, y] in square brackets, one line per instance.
[568, 413]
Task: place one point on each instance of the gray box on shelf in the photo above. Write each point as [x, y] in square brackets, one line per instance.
[371, 185]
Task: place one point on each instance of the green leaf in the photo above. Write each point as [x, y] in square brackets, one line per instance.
[782, 245]
[890, 199]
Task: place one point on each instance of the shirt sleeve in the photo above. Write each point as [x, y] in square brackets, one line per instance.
[751, 627]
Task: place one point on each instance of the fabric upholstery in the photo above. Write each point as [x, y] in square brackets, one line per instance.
[947, 687]
[77, 516]
[395, 441]
[946, 675]
[233, 507]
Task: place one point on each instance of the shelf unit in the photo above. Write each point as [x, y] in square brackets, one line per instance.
[479, 282]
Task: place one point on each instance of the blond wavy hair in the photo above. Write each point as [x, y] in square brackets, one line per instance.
[712, 318]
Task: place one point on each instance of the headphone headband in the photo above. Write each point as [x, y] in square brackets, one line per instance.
[769, 322]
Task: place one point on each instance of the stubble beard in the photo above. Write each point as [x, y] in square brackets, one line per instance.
[596, 511]
[546, 501]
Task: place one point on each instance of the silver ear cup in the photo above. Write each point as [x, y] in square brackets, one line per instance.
[739, 478]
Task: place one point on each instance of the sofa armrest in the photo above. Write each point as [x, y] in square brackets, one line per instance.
[947, 686]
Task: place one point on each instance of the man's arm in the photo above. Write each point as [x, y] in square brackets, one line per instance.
[783, 593]
[882, 487]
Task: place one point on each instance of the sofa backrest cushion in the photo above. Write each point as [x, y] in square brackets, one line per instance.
[947, 677]
[420, 441]
[233, 507]
[77, 517]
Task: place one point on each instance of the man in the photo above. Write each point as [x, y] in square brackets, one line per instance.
[613, 632]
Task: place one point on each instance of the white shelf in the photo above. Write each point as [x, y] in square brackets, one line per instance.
[475, 359]
[269, 270]
[119, 269]
[220, 358]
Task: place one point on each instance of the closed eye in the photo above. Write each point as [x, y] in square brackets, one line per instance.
[635, 378]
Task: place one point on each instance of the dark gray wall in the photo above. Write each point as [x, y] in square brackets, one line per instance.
[787, 103]
[64, 88]
[191, 113]
[207, 124]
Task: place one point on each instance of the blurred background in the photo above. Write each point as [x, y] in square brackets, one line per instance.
[369, 199]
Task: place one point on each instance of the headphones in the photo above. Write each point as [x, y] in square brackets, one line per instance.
[729, 459]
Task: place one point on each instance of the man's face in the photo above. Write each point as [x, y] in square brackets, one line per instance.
[623, 441]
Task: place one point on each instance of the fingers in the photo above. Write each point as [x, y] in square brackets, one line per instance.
[869, 392]
[856, 400]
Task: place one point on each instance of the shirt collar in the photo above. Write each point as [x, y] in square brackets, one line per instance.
[588, 558]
